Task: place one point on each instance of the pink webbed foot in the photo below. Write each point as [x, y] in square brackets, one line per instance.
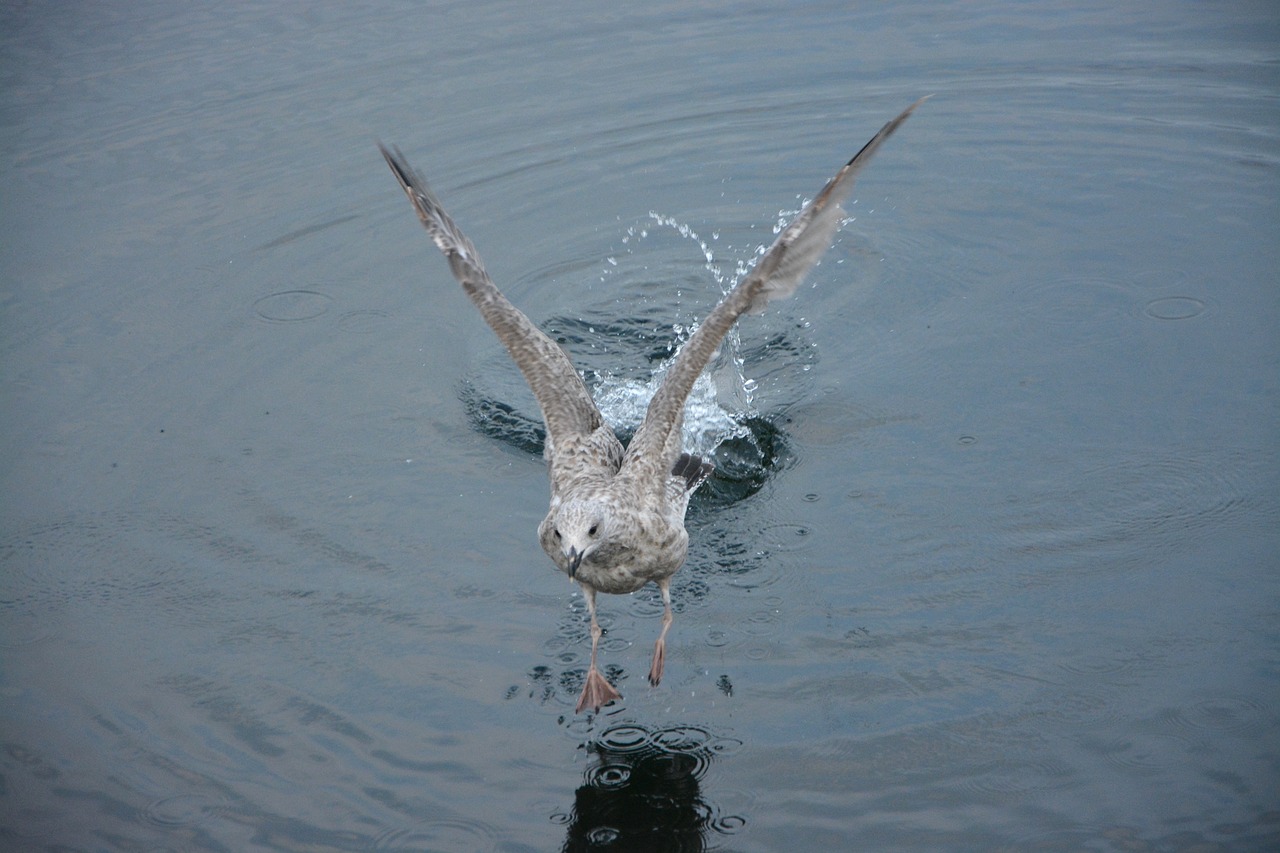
[596, 692]
[659, 658]
[660, 647]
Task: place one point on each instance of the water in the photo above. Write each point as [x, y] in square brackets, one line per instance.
[993, 567]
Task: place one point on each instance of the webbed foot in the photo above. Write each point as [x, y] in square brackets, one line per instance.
[659, 658]
[596, 692]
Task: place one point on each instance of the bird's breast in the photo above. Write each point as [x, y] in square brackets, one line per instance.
[622, 570]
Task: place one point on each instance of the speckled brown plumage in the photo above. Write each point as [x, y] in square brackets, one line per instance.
[616, 520]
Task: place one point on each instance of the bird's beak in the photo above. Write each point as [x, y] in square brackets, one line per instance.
[575, 560]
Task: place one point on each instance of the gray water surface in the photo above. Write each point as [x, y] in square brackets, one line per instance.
[993, 566]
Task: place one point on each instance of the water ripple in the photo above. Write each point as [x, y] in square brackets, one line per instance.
[183, 810]
[1135, 503]
[1023, 777]
[292, 306]
[1075, 310]
[1144, 754]
[785, 536]
[363, 322]
[448, 834]
[1224, 714]
[643, 790]
[1091, 709]
[1174, 308]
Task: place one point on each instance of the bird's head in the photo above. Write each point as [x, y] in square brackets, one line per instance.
[577, 528]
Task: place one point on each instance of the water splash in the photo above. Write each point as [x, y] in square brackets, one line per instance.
[720, 403]
[707, 424]
[624, 348]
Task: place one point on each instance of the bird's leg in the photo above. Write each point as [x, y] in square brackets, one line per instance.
[597, 691]
[660, 648]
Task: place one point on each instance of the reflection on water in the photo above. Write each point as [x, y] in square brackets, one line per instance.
[642, 791]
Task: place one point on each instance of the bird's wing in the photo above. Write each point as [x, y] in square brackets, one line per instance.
[777, 274]
[566, 404]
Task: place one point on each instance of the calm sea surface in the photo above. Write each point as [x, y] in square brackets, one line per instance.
[993, 558]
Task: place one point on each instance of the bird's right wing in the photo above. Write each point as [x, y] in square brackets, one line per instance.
[654, 449]
[566, 404]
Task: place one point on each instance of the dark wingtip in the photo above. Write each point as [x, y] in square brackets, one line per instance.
[885, 132]
[404, 174]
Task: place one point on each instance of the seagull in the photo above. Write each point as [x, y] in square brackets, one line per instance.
[616, 520]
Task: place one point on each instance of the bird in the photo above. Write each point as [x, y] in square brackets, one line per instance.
[616, 517]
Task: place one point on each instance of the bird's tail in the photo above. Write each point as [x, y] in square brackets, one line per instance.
[694, 470]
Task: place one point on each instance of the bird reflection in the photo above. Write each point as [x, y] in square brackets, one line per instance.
[642, 792]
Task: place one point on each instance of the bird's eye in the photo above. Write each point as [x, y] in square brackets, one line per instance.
[592, 531]
[555, 533]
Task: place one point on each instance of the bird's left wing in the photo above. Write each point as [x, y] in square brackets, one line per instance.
[566, 404]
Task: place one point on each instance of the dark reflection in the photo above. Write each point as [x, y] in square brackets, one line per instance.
[642, 792]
